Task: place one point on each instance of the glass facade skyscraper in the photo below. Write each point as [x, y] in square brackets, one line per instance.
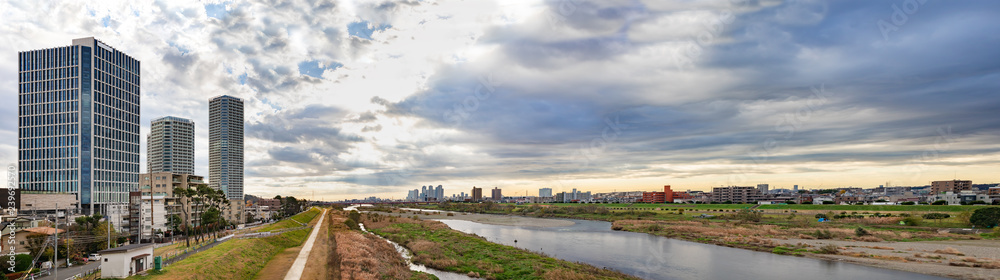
[78, 123]
[170, 146]
[225, 145]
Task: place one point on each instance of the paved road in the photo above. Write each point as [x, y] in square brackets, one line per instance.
[295, 272]
[67, 272]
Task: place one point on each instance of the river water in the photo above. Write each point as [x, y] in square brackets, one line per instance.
[654, 257]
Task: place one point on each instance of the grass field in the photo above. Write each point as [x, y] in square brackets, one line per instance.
[303, 217]
[235, 259]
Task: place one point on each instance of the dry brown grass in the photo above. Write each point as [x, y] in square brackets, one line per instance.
[949, 251]
[869, 238]
[564, 274]
[928, 256]
[363, 256]
[878, 247]
[871, 220]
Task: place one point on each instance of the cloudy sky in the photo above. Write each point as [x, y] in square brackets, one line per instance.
[359, 97]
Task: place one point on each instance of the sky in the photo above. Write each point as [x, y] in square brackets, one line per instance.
[358, 98]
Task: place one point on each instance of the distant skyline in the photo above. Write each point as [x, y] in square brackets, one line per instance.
[350, 99]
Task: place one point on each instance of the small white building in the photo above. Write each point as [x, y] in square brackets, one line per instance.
[126, 260]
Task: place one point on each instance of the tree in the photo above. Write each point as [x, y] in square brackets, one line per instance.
[174, 222]
[986, 217]
[36, 244]
[186, 195]
[964, 217]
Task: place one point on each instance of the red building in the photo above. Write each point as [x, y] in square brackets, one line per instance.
[667, 195]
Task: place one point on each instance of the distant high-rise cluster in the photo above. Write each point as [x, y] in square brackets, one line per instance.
[426, 193]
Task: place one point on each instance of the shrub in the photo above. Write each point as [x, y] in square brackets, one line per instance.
[963, 217]
[912, 221]
[654, 227]
[908, 203]
[940, 202]
[936, 216]
[823, 234]
[351, 224]
[822, 216]
[354, 215]
[977, 202]
[749, 216]
[828, 249]
[986, 217]
[828, 202]
[860, 231]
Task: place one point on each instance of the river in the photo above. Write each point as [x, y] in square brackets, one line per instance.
[654, 257]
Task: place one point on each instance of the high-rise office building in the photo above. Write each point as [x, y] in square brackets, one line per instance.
[439, 193]
[170, 146]
[78, 123]
[225, 145]
[545, 192]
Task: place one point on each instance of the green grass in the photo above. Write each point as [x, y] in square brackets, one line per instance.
[303, 217]
[463, 253]
[235, 259]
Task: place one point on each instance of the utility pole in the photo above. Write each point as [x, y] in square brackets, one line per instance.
[109, 224]
[55, 252]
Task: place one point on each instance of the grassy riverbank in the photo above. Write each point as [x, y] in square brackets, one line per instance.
[436, 245]
[864, 237]
[235, 259]
[353, 254]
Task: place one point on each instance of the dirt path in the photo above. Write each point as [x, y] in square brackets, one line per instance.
[295, 272]
[318, 266]
[278, 266]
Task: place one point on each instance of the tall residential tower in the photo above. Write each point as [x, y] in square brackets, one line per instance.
[170, 146]
[78, 123]
[225, 145]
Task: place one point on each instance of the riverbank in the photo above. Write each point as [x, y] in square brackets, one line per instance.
[436, 245]
[235, 258]
[796, 233]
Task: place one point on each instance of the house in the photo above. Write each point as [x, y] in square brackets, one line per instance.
[21, 236]
[126, 261]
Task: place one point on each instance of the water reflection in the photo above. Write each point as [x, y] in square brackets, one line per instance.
[654, 257]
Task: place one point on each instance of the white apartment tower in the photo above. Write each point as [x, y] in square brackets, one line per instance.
[170, 146]
[225, 145]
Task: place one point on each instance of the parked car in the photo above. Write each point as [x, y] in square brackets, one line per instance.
[94, 257]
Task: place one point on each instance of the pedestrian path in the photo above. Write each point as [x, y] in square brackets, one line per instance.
[295, 272]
